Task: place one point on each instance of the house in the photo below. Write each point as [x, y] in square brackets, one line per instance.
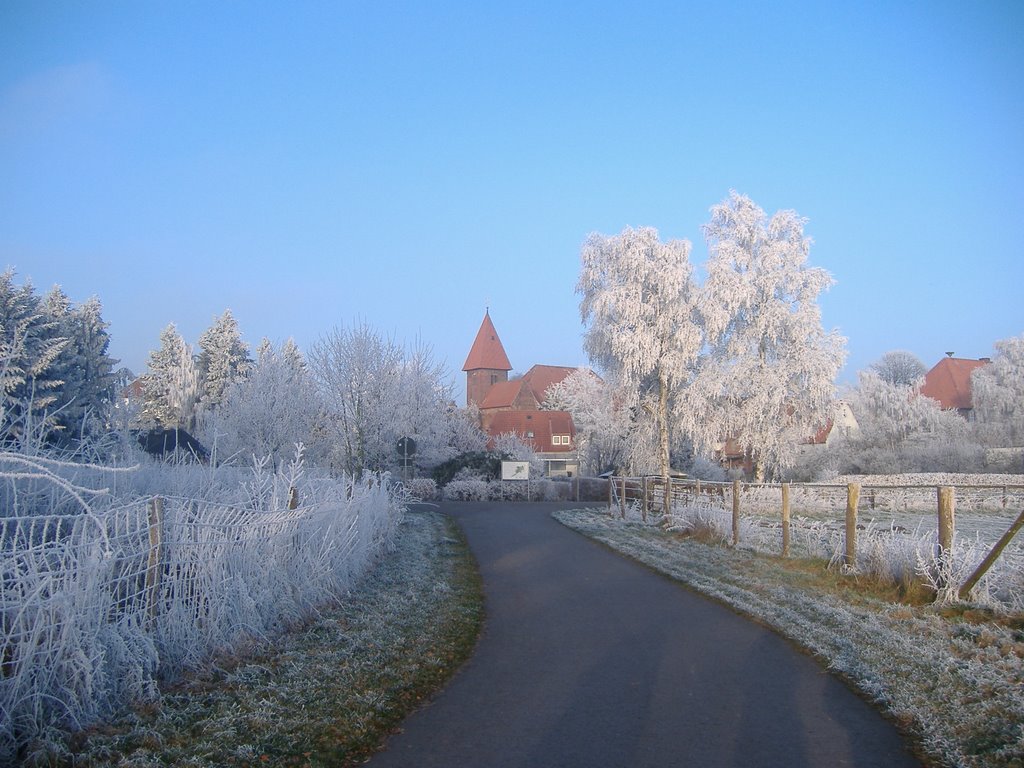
[516, 406]
[949, 382]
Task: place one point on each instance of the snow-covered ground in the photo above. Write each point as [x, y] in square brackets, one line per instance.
[957, 686]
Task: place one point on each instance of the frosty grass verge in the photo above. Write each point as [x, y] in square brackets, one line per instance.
[957, 687]
[329, 693]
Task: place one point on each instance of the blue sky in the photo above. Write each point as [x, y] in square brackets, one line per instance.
[408, 164]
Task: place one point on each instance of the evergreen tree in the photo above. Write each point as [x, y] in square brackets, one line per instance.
[223, 359]
[83, 366]
[170, 387]
[30, 344]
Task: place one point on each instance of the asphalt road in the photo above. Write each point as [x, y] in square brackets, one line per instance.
[588, 659]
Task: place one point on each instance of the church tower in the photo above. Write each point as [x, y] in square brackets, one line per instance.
[487, 363]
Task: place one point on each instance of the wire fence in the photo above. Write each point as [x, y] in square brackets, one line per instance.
[941, 534]
[97, 608]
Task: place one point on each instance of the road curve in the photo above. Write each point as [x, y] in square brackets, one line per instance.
[588, 659]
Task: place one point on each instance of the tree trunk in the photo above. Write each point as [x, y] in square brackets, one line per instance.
[663, 436]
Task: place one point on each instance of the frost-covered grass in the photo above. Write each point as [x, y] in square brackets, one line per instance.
[329, 692]
[952, 677]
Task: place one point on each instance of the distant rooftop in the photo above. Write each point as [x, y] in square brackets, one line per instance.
[949, 382]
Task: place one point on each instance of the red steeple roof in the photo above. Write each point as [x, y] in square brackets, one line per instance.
[487, 352]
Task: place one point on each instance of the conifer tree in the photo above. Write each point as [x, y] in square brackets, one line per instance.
[30, 343]
[84, 367]
[223, 359]
[170, 387]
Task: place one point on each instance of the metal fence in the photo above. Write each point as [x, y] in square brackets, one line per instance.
[97, 607]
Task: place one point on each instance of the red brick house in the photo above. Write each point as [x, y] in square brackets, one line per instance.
[516, 406]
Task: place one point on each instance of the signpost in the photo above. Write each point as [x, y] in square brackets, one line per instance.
[406, 452]
[516, 471]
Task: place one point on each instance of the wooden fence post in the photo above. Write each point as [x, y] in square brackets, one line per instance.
[852, 497]
[622, 499]
[293, 498]
[947, 511]
[611, 495]
[643, 505]
[785, 519]
[668, 498]
[154, 564]
[735, 512]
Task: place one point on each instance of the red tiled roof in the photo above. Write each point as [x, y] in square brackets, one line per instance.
[502, 395]
[543, 424]
[949, 382]
[540, 377]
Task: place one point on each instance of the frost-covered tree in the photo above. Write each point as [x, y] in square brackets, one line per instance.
[170, 388]
[357, 373]
[900, 430]
[424, 405]
[997, 394]
[602, 421]
[638, 302]
[900, 367]
[86, 394]
[265, 413]
[223, 359]
[30, 345]
[771, 366]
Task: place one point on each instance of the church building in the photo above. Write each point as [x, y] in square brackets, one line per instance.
[517, 405]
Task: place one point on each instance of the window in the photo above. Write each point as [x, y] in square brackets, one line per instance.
[529, 434]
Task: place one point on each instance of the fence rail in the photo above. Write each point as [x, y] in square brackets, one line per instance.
[844, 522]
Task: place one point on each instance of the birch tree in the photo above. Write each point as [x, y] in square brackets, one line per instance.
[771, 365]
[638, 303]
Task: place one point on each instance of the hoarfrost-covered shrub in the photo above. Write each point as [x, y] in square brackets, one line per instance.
[422, 488]
[554, 490]
[467, 490]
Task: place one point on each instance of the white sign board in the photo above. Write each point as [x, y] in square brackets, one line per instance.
[515, 470]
